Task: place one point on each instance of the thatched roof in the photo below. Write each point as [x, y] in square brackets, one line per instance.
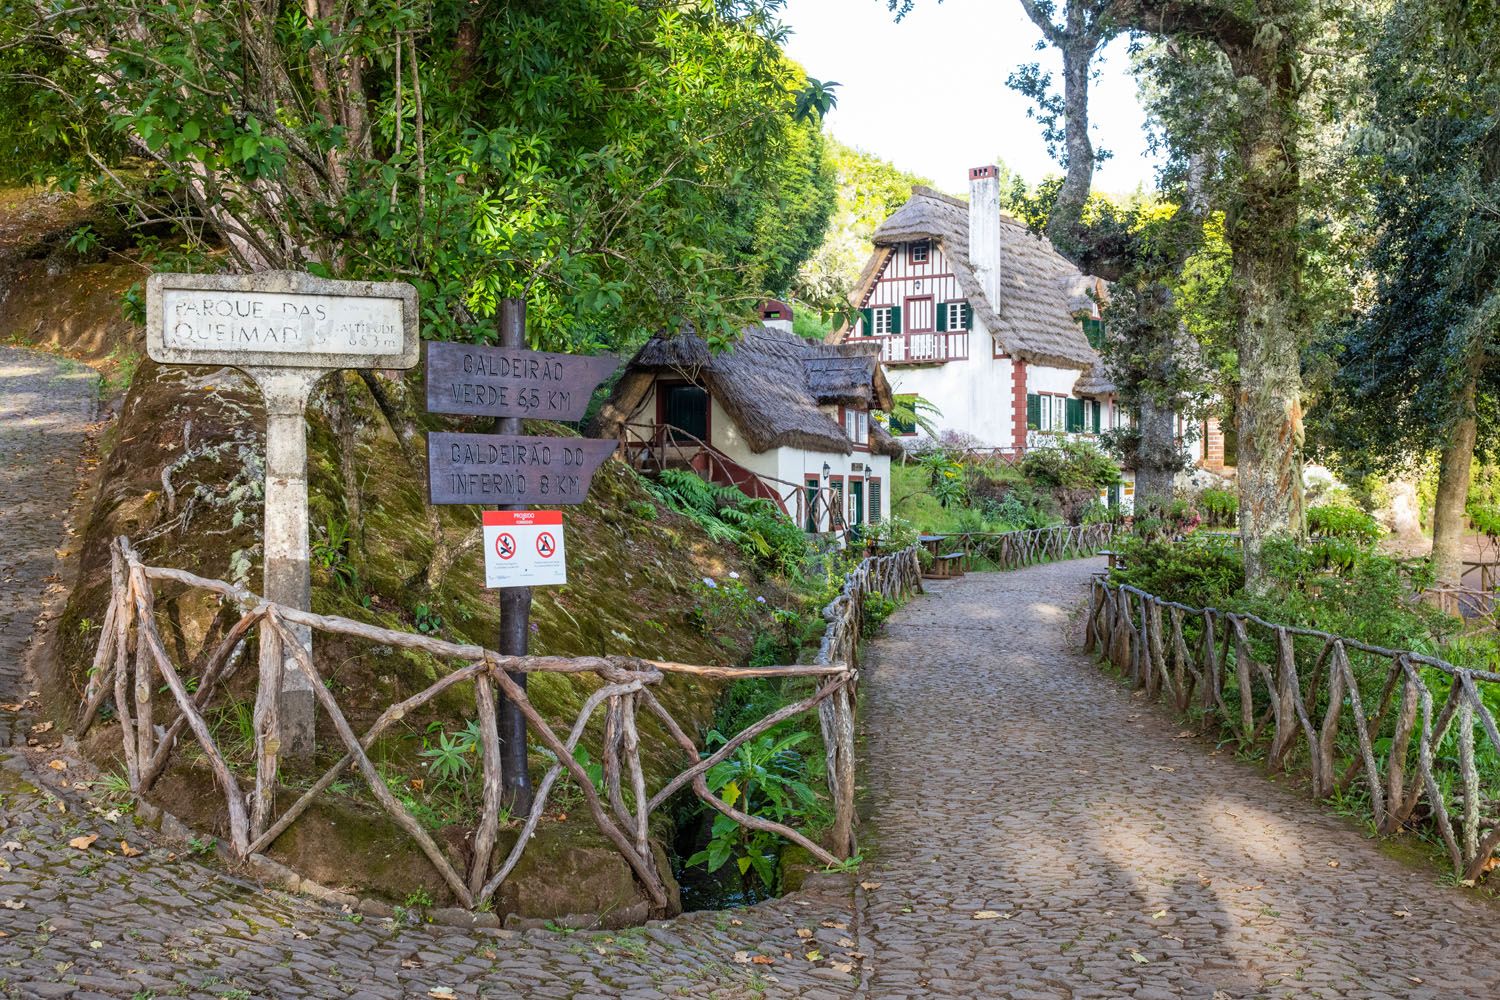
[771, 383]
[1042, 294]
[1095, 382]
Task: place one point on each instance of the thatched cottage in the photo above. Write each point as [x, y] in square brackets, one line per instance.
[983, 318]
[778, 416]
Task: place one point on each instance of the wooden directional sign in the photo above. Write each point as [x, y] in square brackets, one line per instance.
[511, 382]
[512, 468]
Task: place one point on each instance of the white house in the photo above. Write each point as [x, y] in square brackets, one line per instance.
[986, 321]
[778, 416]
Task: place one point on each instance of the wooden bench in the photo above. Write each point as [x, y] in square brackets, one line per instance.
[947, 566]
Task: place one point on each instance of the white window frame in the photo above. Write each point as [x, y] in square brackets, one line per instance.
[880, 321]
[955, 316]
[1059, 413]
[857, 425]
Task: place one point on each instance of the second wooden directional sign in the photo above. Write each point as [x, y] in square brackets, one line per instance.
[507, 382]
[512, 468]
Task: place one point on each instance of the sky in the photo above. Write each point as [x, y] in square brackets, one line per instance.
[929, 94]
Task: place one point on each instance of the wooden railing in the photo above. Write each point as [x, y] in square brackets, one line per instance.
[132, 661]
[1360, 714]
[653, 447]
[1016, 549]
[920, 348]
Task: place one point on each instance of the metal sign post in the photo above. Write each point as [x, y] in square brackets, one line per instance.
[505, 468]
[285, 330]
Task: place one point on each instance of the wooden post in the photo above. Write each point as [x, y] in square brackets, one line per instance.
[515, 616]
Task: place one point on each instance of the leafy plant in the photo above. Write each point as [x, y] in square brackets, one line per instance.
[1220, 508]
[333, 552]
[764, 779]
[428, 621]
[1339, 521]
[1071, 465]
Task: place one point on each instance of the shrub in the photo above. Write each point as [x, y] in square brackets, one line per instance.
[1341, 521]
[1196, 575]
[1071, 465]
[1220, 508]
[760, 530]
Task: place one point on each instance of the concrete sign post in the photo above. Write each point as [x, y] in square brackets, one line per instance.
[285, 330]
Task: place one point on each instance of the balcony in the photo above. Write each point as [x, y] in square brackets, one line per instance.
[922, 348]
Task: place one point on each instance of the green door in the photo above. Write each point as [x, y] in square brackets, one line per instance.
[811, 521]
[856, 501]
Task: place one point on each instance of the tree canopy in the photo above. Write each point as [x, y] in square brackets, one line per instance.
[624, 167]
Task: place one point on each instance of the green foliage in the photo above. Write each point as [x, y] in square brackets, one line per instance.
[1485, 518]
[1220, 508]
[764, 778]
[760, 530]
[427, 619]
[1071, 465]
[333, 552]
[1339, 521]
[624, 167]
[1202, 577]
[451, 759]
[877, 608]
[947, 479]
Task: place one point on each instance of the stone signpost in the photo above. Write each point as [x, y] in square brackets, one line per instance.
[509, 382]
[285, 330]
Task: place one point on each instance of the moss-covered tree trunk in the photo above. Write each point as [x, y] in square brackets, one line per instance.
[1156, 456]
[1448, 514]
[1262, 232]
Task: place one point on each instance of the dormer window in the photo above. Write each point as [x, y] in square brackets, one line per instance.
[916, 253]
[1093, 329]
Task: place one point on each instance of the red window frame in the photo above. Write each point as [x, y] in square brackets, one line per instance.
[911, 253]
[906, 315]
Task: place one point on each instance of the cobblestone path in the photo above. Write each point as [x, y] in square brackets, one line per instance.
[1039, 832]
[1035, 831]
[86, 923]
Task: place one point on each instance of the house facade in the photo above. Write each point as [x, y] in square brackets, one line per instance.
[777, 416]
[985, 320]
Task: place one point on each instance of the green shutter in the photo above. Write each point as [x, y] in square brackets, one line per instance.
[874, 485]
[941, 317]
[895, 319]
[1097, 419]
[968, 316]
[1033, 410]
[868, 316]
[1074, 414]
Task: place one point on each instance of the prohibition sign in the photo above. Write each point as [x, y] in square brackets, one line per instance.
[546, 545]
[505, 545]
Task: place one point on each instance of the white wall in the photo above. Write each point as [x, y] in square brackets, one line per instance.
[975, 396]
[1041, 378]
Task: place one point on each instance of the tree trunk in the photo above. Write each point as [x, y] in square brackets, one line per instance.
[1448, 517]
[1262, 232]
[1156, 457]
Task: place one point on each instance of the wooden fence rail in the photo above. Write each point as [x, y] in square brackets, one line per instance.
[131, 662]
[1018, 549]
[1362, 715]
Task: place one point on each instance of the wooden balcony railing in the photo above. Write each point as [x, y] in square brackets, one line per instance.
[921, 348]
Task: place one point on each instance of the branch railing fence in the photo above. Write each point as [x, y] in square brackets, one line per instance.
[1028, 547]
[1400, 727]
[132, 661]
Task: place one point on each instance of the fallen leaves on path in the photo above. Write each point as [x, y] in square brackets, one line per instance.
[84, 842]
[128, 851]
[58, 765]
[869, 886]
[991, 915]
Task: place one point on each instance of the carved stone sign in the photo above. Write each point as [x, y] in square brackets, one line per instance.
[281, 319]
[512, 468]
[286, 330]
[511, 382]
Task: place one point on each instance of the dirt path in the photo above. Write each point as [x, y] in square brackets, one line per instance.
[1105, 856]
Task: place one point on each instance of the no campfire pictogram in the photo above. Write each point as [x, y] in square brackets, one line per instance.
[524, 548]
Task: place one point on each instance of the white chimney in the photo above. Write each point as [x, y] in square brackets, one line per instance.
[984, 230]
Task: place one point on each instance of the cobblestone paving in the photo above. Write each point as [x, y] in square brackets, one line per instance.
[97, 923]
[1036, 831]
[1043, 833]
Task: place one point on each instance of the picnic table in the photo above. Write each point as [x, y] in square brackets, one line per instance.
[945, 565]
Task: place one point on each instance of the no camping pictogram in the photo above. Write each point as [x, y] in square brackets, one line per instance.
[524, 548]
[505, 545]
[546, 545]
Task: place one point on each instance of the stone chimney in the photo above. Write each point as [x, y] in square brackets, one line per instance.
[984, 230]
[776, 314]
